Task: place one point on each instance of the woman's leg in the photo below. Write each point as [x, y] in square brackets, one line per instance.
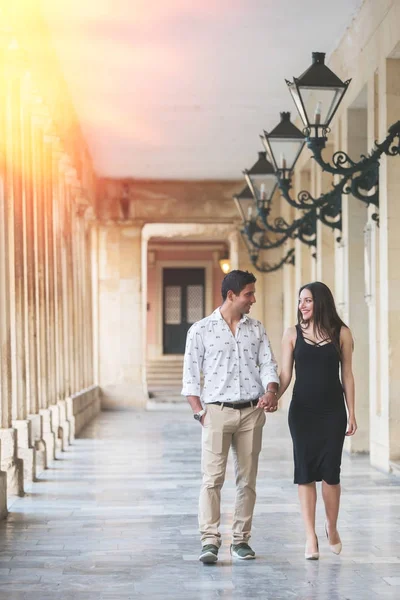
[331, 497]
[308, 502]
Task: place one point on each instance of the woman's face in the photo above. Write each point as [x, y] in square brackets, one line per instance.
[306, 304]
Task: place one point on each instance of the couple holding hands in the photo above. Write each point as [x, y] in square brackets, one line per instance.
[241, 384]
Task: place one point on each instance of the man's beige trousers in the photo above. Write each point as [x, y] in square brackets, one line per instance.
[223, 428]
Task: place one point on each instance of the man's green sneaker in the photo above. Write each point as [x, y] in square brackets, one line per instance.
[242, 551]
[209, 554]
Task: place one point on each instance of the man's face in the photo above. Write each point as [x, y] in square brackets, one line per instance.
[245, 300]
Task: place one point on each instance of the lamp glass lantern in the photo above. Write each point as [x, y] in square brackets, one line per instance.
[284, 145]
[245, 204]
[261, 180]
[317, 94]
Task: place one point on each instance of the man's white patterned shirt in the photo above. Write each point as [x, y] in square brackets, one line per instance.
[235, 368]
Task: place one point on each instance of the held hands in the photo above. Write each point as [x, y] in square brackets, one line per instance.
[268, 402]
[351, 425]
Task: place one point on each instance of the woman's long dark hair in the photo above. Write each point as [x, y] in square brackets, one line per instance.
[327, 323]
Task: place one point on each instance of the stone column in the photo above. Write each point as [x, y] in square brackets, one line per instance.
[10, 463]
[66, 295]
[355, 312]
[81, 278]
[94, 301]
[42, 308]
[19, 154]
[85, 316]
[58, 305]
[120, 316]
[288, 271]
[60, 419]
[50, 277]
[289, 290]
[75, 275]
[386, 443]
[234, 249]
[325, 259]
[31, 329]
[71, 290]
[305, 263]
[378, 429]
[65, 316]
[88, 301]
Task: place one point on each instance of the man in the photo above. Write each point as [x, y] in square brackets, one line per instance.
[240, 380]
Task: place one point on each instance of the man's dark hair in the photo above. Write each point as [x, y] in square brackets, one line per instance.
[236, 281]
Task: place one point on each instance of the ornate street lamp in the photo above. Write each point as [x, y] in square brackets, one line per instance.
[286, 140]
[284, 145]
[317, 94]
[245, 204]
[261, 181]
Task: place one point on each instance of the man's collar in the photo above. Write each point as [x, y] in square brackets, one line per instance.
[216, 316]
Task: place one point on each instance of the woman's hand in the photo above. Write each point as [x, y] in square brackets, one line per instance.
[351, 425]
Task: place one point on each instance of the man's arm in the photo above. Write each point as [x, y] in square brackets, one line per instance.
[192, 366]
[268, 373]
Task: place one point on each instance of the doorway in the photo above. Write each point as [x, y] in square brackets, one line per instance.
[183, 305]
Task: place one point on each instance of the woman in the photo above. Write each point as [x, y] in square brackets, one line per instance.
[318, 345]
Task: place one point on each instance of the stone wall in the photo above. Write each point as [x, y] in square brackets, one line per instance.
[47, 387]
[369, 55]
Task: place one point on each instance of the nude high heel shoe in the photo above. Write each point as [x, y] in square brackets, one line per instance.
[312, 555]
[335, 548]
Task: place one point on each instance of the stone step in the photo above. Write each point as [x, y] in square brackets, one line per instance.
[164, 368]
[160, 385]
[164, 383]
[164, 374]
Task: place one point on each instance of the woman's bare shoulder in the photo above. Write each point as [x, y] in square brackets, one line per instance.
[345, 334]
[290, 334]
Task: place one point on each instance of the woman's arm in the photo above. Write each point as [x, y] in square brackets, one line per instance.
[346, 345]
[285, 375]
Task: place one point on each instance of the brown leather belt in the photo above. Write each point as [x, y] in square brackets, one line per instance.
[237, 404]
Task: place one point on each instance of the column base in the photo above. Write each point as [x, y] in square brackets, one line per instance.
[25, 450]
[37, 442]
[48, 436]
[69, 407]
[55, 426]
[10, 463]
[3, 495]
[64, 432]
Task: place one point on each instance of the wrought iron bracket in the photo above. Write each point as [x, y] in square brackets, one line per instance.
[250, 229]
[306, 223]
[304, 229]
[266, 267]
[364, 174]
[329, 204]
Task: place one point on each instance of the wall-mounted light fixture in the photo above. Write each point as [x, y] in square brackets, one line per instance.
[317, 94]
[225, 264]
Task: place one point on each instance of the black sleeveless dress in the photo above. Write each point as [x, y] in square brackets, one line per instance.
[317, 413]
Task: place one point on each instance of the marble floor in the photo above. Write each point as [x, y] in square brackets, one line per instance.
[115, 518]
